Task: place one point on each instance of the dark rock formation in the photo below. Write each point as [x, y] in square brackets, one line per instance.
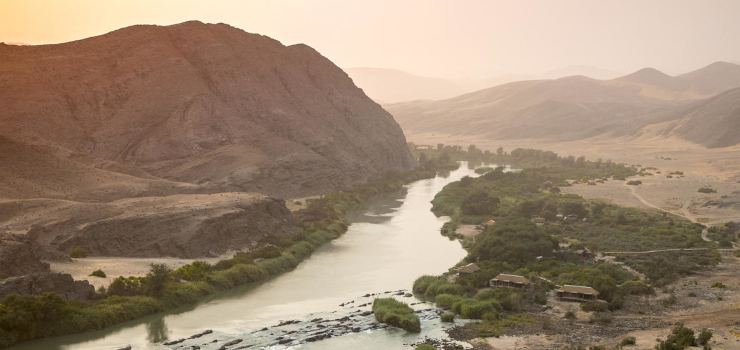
[39, 283]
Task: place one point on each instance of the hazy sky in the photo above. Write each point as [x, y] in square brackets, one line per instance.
[456, 38]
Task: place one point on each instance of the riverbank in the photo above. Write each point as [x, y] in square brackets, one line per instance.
[322, 222]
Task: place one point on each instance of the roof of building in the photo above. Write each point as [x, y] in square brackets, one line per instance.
[578, 289]
[512, 278]
[469, 268]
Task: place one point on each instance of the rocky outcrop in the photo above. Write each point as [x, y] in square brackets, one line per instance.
[17, 257]
[39, 283]
[185, 226]
[22, 272]
[204, 104]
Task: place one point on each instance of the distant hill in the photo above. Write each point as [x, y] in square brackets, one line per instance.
[571, 108]
[714, 122]
[391, 85]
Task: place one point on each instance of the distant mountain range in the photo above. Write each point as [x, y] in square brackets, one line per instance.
[392, 85]
[571, 108]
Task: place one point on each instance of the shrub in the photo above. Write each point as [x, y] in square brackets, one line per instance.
[78, 252]
[636, 288]
[595, 306]
[446, 300]
[422, 283]
[425, 347]
[601, 317]
[474, 309]
[718, 285]
[195, 271]
[570, 315]
[668, 301]
[98, 273]
[396, 313]
[448, 317]
[707, 190]
[628, 341]
[679, 339]
[704, 337]
[634, 182]
[691, 295]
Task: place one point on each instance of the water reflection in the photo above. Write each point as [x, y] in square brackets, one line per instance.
[156, 330]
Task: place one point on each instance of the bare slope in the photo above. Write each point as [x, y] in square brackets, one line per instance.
[577, 107]
[391, 85]
[203, 104]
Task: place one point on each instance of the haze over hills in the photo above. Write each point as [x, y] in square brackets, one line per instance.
[392, 85]
[574, 108]
[152, 140]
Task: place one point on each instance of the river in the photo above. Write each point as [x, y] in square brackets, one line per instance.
[388, 244]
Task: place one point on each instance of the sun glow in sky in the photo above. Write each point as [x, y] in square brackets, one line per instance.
[455, 39]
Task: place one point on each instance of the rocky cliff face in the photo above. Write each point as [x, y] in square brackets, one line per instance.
[204, 104]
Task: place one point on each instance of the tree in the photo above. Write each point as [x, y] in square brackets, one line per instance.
[479, 203]
[157, 279]
[422, 158]
[440, 146]
[574, 208]
[500, 151]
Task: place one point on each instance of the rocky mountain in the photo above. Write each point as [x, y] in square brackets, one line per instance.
[204, 104]
[577, 107]
[154, 141]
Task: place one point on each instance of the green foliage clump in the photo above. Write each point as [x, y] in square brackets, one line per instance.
[479, 203]
[628, 341]
[704, 337]
[396, 313]
[195, 271]
[448, 317]
[475, 309]
[601, 317]
[98, 273]
[718, 285]
[425, 347]
[707, 190]
[595, 306]
[78, 252]
[679, 339]
[669, 301]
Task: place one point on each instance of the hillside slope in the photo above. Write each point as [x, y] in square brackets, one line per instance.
[202, 104]
[575, 108]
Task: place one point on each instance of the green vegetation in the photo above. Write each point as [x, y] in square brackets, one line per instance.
[634, 183]
[718, 285]
[78, 252]
[29, 317]
[425, 347]
[707, 190]
[516, 245]
[396, 313]
[628, 341]
[448, 317]
[679, 339]
[98, 273]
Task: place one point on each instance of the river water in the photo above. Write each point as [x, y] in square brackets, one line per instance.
[389, 243]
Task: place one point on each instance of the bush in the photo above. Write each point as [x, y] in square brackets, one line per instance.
[446, 300]
[636, 288]
[668, 301]
[78, 252]
[570, 315]
[679, 339]
[395, 313]
[595, 306]
[448, 317]
[424, 347]
[707, 190]
[628, 341]
[601, 317]
[718, 285]
[704, 337]
[474, 309]
[634, 183]
[98, 273]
